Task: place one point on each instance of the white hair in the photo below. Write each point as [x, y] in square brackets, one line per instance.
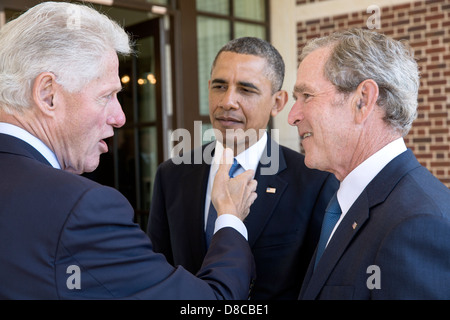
[66, 39]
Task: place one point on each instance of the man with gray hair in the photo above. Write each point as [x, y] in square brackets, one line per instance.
[66, 237]
[385, 234]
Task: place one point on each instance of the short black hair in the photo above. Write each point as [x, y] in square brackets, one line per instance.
[261, 48]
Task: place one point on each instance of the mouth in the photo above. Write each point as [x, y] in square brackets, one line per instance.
[104, 145]
[306, 135]
[228, 121]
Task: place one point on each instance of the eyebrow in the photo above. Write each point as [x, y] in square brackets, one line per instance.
[301, 88]
[241, 83]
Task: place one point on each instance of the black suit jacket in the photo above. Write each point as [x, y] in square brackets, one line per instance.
[393, 243]
[283, 227]
[63, 236]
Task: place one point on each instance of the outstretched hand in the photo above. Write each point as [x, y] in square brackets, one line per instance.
[233, 195]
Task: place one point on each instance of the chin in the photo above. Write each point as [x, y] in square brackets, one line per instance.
[91, 166]
[309, 162]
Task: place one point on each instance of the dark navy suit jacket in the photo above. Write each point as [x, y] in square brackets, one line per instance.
[63, 236]
[283, 226]
[393, 243]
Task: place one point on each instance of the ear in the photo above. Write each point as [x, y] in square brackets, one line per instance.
[281, 98]
[43, 92]
[365, 99]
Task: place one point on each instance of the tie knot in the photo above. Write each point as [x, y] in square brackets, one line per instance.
[233, 168]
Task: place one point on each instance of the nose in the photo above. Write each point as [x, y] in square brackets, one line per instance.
[117, 118]
[295, 115]
[230, 100]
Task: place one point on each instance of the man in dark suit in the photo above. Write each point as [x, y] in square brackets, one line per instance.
[284, 222]
[356, 95]
[63, 236]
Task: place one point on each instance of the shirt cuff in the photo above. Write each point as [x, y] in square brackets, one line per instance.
[229, 220]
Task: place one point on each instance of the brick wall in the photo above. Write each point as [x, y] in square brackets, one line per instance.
[426, 25]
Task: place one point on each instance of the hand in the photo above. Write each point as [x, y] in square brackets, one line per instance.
[233, 195]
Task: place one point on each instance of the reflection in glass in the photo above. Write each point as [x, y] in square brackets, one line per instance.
[126, 161]
[146, 80]
[148, 157]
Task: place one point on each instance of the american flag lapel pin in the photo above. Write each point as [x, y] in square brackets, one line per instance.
[271, 190]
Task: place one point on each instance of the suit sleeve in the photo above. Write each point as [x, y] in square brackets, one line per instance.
[102, 254]
[158, 225]
[414, 260]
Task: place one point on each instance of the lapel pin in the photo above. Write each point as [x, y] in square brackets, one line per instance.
[354, 225]
[271, 190]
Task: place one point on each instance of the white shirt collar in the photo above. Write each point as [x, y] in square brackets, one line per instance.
[354, 184]
[248, 159]
[24, 135]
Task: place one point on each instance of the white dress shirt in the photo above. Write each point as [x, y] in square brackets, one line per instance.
[27, 137]
[249, 160]
[357, 180]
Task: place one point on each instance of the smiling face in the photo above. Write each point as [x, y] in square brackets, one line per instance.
[240, 97]
[322, 115]
[86, 118]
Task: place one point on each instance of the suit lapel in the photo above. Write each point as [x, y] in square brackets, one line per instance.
[344, 234]
[195, 183]
[265, 204]
[375, 193]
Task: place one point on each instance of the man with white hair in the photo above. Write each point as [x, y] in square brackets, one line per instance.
[63, 236]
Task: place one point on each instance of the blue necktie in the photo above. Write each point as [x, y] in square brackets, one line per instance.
[212, 214]
[332, 215]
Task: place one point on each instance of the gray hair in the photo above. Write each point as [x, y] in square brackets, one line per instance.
[358, 55]
[261, 48]
[66, 39]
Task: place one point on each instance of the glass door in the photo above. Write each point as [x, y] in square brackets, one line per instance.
[141, 137]
[137, 148]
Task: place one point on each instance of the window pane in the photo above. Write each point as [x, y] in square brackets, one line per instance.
[126, 163]
[249, 30]
[212, 35]
[148, 157]
[146, 81]
[164, 2]
[126, 95]
[250, 9]
[216, 6]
